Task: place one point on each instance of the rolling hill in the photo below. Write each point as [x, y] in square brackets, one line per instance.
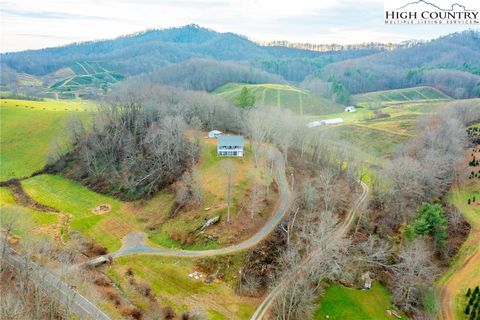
[282, 96]
[396, 96]
[149, 50]
[450, 63]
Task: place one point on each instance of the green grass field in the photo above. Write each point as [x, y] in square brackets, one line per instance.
[172, 286]
[341, 303]
[374, 135]
[26, 219]
[78, 201]
[369, 140]
[282, 96]
[28, 132]
[399, 95]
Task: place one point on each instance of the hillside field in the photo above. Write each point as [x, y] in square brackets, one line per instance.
[83, 74]
[282, 96]
[400, 95]
[376, 131]
[30, 130]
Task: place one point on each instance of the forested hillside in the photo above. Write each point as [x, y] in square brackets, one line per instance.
[450, 63]
[202, 59]
[143, 52]
[208, 74]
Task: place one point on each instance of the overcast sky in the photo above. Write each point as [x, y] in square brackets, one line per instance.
[31, 24]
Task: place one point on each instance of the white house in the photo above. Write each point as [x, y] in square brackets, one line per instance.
[214, 133]
[350, 109]
[229, 146]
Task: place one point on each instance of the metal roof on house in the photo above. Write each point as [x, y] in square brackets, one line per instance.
[230, 140]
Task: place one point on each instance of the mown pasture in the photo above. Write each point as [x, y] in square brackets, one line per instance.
[282, 96]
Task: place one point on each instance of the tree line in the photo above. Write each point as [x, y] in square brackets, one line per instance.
[137, 141]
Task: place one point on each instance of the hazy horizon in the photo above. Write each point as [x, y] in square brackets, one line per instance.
[35, 25]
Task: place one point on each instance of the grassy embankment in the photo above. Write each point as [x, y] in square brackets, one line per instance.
[464, 271]
[282, 96]
[171, 284]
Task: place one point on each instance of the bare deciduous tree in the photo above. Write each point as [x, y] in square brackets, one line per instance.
[414, 274]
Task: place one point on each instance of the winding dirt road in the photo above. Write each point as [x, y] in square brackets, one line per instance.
[464, 272]
[135, 242]
[342, 229]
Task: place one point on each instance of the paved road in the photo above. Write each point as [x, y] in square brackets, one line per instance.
[69, 298]
[134, 242]
[342, 229]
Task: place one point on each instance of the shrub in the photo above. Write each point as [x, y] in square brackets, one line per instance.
[144, 289]
[95, 249]
[167, 313]
[131, 311]
[183, 236]
[102, 281]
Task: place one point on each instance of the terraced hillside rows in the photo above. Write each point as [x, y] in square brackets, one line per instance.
[400, 95]
[86, 73]
[283, 96]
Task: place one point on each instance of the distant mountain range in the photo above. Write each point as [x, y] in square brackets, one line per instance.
[78, 67]
[144, 51]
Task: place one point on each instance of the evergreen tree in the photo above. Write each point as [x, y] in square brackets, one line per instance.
[245, 99]
[431, 221]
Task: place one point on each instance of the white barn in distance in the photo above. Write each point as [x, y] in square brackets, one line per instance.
[350, 109]
[229, 146]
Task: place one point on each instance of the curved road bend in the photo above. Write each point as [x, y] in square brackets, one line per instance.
[134, 242]
[342, 229]
[50, 283]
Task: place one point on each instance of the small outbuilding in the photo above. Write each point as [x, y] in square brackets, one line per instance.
[314, 124]
[350, 109]
[229, 146]
[214, 133]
